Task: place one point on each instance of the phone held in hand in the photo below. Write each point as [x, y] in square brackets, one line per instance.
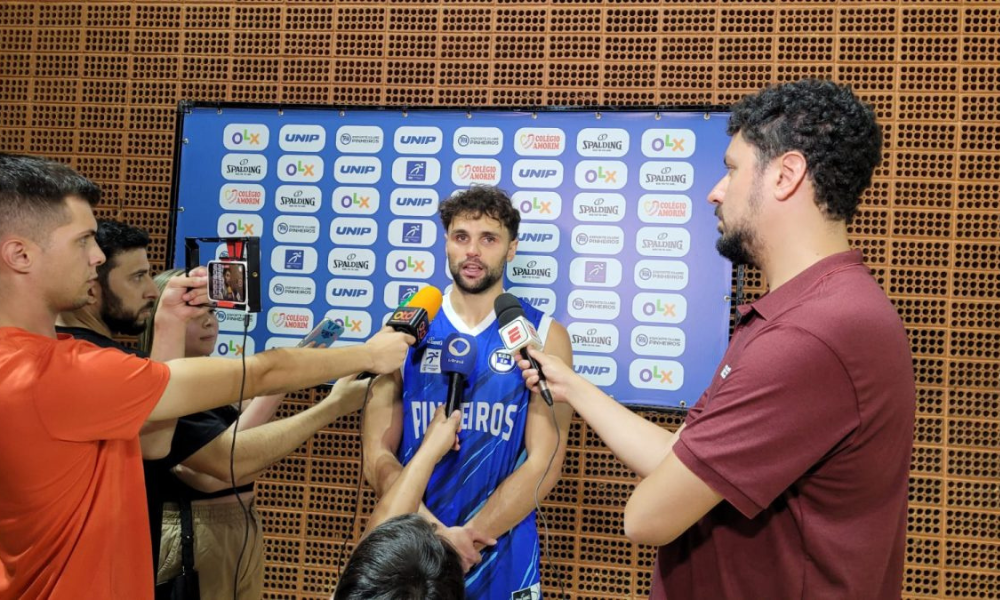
[324, 334]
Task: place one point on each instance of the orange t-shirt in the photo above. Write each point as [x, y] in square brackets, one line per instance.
[73, 519]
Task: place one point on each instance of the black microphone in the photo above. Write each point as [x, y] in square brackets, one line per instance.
[517, 333]
[414, 316]
[457, 360]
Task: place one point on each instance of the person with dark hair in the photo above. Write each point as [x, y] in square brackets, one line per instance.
[402, 556]
[121, 303]
[207, 475]
[789, 477]
[72, 519]
[509, 438]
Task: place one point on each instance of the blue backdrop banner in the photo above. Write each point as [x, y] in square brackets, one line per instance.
[617, 239]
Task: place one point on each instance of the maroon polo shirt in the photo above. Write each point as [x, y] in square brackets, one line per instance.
[806, 432]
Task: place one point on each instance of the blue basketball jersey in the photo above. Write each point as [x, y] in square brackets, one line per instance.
[494, 414]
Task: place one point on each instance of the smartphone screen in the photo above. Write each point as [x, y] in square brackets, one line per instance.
[227, 282]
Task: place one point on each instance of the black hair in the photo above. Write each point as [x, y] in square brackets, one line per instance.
[115, 237]
[402, 559]
[33, 193]
[481, 200]
[834, 130]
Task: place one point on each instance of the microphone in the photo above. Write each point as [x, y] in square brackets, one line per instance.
[414, 316]
[517, 333]
[457, 360]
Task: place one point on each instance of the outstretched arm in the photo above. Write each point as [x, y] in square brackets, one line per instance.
[639, 444]
[260, 447]
[197, 384]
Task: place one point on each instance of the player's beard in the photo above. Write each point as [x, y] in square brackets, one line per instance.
[491, 275]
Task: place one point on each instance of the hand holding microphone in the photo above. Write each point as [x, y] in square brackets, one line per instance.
[412, 318]
[518, 334]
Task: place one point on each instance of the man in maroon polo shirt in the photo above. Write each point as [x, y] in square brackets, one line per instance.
[788, 479]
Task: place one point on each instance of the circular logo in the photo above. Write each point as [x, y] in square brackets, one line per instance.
[459, 347]
[220, 316]
[345, 138]
[641, 340]
[578, 303]
[463, 140]
[282, 228]
[581, 239]
[501, 362]
[645, 273]
[278, 289]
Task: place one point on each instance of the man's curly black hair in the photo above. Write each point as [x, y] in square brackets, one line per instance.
[828, 124]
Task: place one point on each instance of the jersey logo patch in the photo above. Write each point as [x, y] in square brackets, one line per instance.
[725, 371]
[529, 593]
[431, 362]
[501, 361]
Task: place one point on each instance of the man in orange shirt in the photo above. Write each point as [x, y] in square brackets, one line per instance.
[72, 507]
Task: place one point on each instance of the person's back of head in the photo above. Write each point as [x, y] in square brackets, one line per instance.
[402, 559]
[834, 130]
[33, 192]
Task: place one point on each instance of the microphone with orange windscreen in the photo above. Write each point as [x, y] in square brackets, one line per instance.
[414, 315]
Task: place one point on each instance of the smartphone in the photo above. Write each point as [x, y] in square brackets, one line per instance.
[227, 282]
[323, 334]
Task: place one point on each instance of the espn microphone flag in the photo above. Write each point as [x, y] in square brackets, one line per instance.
[458, 358]
[517, 333]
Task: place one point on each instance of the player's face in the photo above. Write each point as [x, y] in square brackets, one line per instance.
[202, 333]
[130, 293]
[69, 258]
[478, 251]
[737, 199]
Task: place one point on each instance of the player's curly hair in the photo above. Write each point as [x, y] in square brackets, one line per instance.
[481, 200]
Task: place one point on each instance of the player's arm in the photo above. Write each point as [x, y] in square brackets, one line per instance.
[197, 384]
[514, 498]
[383, 430]
[260, 447]
[260, 410]
[639, 444]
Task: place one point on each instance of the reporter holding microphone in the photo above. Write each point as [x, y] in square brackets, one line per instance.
[789, 477]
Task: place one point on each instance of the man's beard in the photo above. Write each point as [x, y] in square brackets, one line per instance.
[118, 321]
[489, 278]
[738, 247]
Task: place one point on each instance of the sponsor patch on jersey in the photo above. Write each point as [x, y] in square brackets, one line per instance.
[529, 593]
[431, 362]
[501, 361]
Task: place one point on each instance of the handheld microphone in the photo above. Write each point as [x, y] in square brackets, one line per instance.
[517, 333]
[457, 360]
[414, 316]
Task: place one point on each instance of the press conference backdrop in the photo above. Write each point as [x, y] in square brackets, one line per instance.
[616, 239]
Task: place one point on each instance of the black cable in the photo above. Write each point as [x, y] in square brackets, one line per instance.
[361, 478]
[538, 507]
[232, 461]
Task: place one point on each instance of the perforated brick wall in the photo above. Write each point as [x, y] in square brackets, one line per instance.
[95, 84]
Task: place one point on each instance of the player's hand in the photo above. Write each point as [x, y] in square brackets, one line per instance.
[442, 433]
[388, 349]
[559, 375]
[464, 540]
[185, 297]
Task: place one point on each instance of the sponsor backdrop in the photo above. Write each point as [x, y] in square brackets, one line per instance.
[616, 241]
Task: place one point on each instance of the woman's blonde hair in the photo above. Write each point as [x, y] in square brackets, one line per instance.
[146, 337]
